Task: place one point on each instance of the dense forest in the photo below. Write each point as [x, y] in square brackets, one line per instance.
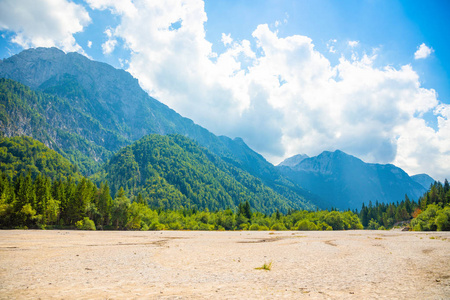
[431, 212]
[19, 154]
[174, 172]
[42, 203]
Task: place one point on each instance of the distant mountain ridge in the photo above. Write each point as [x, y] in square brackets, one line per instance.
[347, 182]
[293, 160]
[424, 180]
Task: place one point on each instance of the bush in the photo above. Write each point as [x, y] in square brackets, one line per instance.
[263, 228]
[254, 227]
[85, 224]
[334, 219]
[305, 225]
[426, 220]
[442, 219]
[374, 225]
[278, 226]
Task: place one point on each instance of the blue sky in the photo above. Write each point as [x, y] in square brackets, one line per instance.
[367, 77]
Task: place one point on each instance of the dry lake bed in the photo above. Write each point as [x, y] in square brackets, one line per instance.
[222, 265]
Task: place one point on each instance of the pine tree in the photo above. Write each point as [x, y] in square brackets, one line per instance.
[104, 204]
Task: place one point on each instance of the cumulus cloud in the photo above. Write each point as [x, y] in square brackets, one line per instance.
[423, 51]
[226, 39]
[279, 93]
[422, 148]
[110, 44]
[89, 44]
[45, 23]
[353, 44]
[330, 46]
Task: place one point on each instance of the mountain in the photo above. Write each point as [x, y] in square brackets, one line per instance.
[294, 160]
[173, 172]
[346, 181]
[424, 180]
[87, 110]
[112, 99]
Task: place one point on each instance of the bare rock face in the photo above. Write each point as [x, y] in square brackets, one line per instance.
[32, 67]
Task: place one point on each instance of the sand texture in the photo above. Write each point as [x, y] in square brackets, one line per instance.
[221, 265]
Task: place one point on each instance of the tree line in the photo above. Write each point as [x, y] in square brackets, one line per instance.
[430, 212]
[65, 203]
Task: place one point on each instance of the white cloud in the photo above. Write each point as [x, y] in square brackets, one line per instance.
[423, 51]
[89, 44]
[45, 23]
[330, 46]
[279, 93]
[353, 44]
[109, 46]
[226, 39]
[423, 149]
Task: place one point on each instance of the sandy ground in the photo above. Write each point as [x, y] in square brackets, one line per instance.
[221, 265]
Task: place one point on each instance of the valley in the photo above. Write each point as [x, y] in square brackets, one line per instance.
[218, 265]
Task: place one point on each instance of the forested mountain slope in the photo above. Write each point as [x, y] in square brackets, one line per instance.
[174, 172]
[24, 155]
[56, 123]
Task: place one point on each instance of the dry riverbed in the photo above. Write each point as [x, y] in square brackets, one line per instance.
[221, 265]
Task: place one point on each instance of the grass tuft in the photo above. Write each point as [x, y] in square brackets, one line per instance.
[265, 266]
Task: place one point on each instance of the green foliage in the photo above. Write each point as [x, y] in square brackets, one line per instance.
[431, 213]
[373, 225]
[381, 214]
[86, 206]
[434, 213]
[305, 225]
[432, 219]
[266, 267]
[173, 172]
[85, 224]
[57, 123]
[21, 155]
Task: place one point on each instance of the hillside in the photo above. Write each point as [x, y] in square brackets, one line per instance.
[346, 181]
[56, 123]
[23, 155]
[174, 172]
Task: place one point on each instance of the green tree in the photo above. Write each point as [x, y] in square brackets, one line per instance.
[119, 211]
[334, 219]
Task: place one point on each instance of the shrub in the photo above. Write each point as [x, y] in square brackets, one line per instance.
[85, 224]
[254, 227]
[278, 226]
[305, 225]
[265, 266]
